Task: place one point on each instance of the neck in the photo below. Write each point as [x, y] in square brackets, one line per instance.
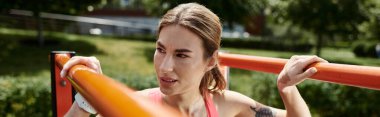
[185, 102]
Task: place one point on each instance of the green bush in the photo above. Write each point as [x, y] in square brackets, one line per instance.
[32, 96]
[359, 49]
[328, 99]
[371, 50]
[365, 49]
[25, 97]
[324, 99]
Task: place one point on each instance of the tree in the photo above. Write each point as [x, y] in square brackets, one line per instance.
[71, 7]
[230, 11]
[326, 17]
[371, 29]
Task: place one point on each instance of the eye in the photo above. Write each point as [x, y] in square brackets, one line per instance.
[160, 50]
[182, 55]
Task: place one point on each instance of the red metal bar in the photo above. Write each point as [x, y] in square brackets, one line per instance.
[353, 75]
[109, 97]
[62, 91]
[225, 70]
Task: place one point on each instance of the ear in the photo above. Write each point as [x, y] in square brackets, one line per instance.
[212, 61]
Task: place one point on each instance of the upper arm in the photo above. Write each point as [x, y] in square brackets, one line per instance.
[266, 111]
[247, 107]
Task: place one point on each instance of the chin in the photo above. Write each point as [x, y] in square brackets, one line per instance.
[167, 91]
[170, 90]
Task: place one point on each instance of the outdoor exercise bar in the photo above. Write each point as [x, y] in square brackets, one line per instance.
[353, 75]
[109, 97]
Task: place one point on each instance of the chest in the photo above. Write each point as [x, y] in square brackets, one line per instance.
[223, 111]
[198, 112]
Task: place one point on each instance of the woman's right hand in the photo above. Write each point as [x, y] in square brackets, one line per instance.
[90, 62]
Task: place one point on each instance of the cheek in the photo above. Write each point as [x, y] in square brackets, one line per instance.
[156, 60]
[190, 68]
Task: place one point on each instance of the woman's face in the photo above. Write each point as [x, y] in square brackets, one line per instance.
[179, 60]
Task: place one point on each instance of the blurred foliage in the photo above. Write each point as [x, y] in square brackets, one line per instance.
[21, 55]
[246, 43]
[24, 97]
[324, 99]
[325, 17]
[52, 6]
[252, 43]
[330, 21]
[229, 11]
[365, 49]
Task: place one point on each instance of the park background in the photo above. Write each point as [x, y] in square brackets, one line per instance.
[121, 34]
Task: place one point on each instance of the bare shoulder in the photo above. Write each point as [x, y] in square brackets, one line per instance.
[236, 104]
[146, 92]
[231, 103]
[231, 97]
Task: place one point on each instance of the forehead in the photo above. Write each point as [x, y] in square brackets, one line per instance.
[176, 36]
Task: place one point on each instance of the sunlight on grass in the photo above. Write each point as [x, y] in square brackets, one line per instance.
[123, 57]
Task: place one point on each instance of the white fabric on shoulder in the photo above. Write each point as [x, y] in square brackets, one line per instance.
[82, 103]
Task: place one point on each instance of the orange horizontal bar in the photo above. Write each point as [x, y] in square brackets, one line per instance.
[353, 75]
[111, 98]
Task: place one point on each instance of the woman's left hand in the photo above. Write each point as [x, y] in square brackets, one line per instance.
[294, 71]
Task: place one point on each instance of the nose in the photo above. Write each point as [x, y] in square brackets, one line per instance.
[167, 64]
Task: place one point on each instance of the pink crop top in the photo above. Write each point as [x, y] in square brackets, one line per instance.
[156, 95]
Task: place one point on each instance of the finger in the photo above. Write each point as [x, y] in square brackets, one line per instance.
[95, 64]
[89, 63]
[308, 56]
[309, 60]
[65, 68]
[294, 57]
[63, 73]
[291, 60]
[297, 57]
[99, 68]
[308, 73]
[322, 60]
[73, 61]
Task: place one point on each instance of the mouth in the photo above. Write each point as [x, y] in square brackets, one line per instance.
[167, 80]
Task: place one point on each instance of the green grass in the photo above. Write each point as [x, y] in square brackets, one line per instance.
[131, 63]
[119, 58]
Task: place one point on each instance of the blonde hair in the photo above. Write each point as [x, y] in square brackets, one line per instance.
[204, 23]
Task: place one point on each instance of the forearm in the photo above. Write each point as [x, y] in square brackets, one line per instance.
[294, 103]
[76, 111]
[294, 72]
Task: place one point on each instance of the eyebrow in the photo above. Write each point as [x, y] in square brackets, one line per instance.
[177, 50]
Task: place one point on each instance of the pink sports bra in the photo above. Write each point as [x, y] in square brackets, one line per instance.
[156, 95]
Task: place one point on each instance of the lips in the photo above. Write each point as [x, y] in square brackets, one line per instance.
[168, 79]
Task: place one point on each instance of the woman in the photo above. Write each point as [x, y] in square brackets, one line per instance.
[185, 61]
